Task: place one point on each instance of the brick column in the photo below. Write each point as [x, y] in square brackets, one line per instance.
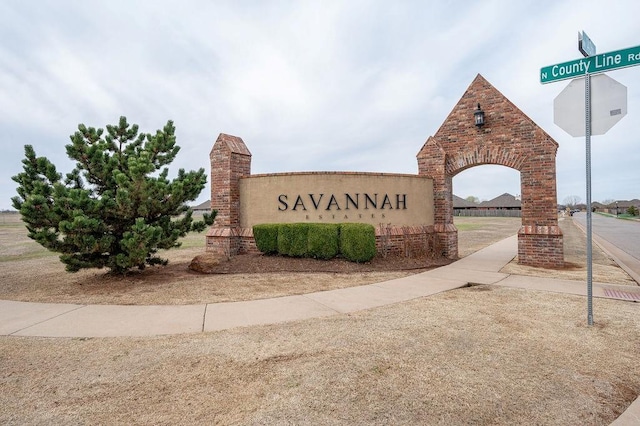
[431, 163]
[230, 160]
[540, 241]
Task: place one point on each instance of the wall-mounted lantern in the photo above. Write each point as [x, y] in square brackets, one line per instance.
[478, 115]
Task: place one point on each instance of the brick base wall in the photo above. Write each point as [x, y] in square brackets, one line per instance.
[541, 246]
[407, 241]
[447, 235]
[223, 240]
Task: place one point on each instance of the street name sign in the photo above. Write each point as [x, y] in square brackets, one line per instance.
[591, 65]
[585, 45]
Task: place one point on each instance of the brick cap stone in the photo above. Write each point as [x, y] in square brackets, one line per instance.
[539, 230]
[431, 148]
[380, 230]
[227, 231]
[444, 228]
[403, 230]
[221, 231]
[231, 144]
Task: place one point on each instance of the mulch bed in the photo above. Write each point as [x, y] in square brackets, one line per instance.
[259, 263]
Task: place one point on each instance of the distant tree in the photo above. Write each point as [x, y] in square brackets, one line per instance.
[633, 211]
[473, 199]
[572, 200]
[608, 202]
[116, 208]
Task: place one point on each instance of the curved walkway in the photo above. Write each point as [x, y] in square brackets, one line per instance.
[482, 267]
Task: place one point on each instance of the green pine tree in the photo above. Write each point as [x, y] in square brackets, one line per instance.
[116, 208]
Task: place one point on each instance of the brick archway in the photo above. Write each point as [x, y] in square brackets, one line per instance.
[508, 138]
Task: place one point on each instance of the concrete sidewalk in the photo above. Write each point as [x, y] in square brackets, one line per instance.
[482, 267]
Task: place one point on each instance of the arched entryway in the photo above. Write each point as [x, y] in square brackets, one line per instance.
[508, 138]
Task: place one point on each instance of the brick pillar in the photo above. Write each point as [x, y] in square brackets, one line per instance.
[431, 163]
[230, 160]
[540, 241]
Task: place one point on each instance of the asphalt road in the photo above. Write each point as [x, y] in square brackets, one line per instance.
[624, 234]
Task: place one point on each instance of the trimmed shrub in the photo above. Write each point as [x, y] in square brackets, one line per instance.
[266, 236]
[284, 238]
[322, 241]
[299, 245]
[292, 239]
[357, 242]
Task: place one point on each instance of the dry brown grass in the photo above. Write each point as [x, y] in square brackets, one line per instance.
[479, 355]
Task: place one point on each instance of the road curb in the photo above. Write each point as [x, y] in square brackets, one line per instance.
[620, 257]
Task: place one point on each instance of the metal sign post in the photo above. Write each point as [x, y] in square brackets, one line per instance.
[587, 138]
[588, 48]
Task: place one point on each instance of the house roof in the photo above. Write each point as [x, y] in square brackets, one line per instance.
[202, 206]
[626, 204]
[503, 201]
[461, 203]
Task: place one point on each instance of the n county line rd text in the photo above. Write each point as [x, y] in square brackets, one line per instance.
[591, 65]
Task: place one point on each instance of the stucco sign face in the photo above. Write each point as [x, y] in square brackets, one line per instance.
[401, 200]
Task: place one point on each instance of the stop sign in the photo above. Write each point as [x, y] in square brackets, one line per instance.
[608, 105]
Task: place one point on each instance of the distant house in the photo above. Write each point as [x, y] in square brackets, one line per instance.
[505, 205]
[623, 205]
[626, 204]
[202, 207]
[461, 203]
[503, 202]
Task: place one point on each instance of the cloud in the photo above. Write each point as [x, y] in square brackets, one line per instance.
[326, 85]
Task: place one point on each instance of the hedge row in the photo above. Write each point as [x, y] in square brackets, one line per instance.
[355, 242]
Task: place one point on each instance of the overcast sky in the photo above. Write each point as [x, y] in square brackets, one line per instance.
[318, 85]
